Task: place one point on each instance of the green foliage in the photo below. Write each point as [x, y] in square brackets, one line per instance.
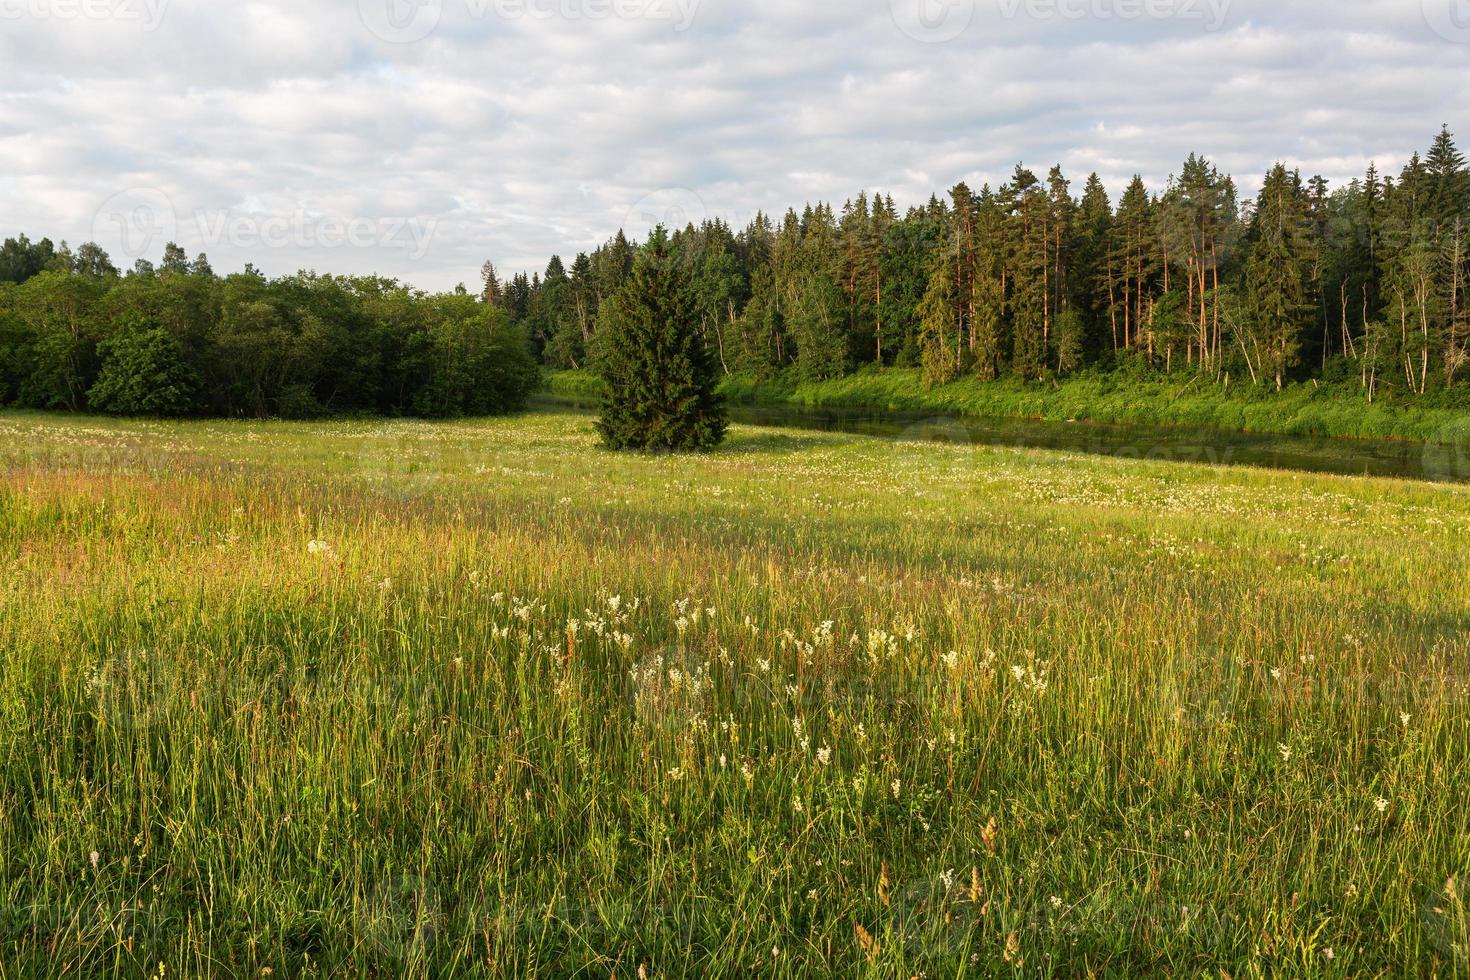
[1276, 273]
[183, 341]
[657, 369]
[1071, 341]
[479, 364]
[144, 372]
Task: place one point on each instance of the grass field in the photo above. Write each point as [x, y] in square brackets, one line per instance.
[381, 699]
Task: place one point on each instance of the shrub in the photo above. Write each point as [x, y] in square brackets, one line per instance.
[144, 372]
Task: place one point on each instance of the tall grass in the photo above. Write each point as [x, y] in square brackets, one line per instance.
[481, 699]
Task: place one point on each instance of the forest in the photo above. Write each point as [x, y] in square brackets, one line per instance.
[1363, 283]
[178, 340]
[1361, 286]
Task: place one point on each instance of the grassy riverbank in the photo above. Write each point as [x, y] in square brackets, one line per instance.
[481, 699]
[1307, 410]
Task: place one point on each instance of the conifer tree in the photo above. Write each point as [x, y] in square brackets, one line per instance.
[1277, 270]
[659, 378]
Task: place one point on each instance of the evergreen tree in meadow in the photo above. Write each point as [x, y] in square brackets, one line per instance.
[659, 377]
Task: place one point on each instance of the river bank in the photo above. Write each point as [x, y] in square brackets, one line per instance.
[1300, 410]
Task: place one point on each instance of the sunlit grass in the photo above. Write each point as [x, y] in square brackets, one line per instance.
[386, 698]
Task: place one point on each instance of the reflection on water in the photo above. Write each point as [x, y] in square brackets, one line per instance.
[1437, 462]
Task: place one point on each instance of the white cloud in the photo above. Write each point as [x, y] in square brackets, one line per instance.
[514, 137]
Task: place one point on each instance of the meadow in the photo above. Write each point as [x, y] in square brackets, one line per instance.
[416, 699]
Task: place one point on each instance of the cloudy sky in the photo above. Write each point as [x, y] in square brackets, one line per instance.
[417, 138]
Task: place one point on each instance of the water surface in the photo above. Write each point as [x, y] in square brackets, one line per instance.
[1435, 462]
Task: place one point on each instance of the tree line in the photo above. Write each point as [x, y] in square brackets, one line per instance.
[177, 340]
[1362, 284]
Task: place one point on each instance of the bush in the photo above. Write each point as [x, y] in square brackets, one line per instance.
[144, 372]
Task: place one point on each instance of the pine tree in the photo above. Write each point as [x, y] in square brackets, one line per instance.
[1449, 194]
[1133, 260]
[1030, 268]
[1089, 269]
[1277, 270]
[940, 326]
[659, 378]
[490, 291]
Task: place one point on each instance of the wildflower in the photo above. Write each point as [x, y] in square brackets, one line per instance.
[765, 666]
[1404, 718]
[723, 761]
[1329, 953]
[1056, 902]
[897, 788]
[94, 857]
[677, 775]
[1285, 751]
[796, 804]
[952, 659]
[320, 548]
[1381, 804]
[824, 755]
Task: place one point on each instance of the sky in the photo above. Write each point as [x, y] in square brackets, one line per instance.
[418, 138]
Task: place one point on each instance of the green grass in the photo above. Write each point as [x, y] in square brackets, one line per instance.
[381, 699]
[1301, 410]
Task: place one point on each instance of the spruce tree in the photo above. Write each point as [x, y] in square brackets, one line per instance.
[1277, 268]
[658, 376]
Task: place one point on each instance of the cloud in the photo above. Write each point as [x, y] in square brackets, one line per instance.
[416, 138]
